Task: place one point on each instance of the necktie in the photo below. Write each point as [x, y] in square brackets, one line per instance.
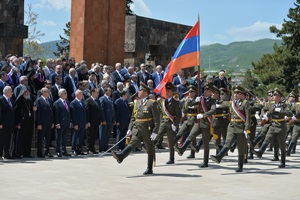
[65, 104]
[9, 102]
[47, 102]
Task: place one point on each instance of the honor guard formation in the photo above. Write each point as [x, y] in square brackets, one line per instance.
[51, 106]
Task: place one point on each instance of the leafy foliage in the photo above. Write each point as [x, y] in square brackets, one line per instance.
[282, 67]
[64, 43]
[31, 44]
[128, 10]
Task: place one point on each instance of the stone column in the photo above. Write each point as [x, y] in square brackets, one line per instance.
[98, 31]
[12, 29]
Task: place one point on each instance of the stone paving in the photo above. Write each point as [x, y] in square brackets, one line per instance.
[91, 177]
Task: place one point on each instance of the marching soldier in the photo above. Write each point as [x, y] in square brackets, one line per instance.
[291, 101]
[219, 123]
[189, 111]
[208, 108]
[277, 129]
[240, 123]
[143, 127]
[170, 118]
[296, 128]
[255, 106]
[265, 123]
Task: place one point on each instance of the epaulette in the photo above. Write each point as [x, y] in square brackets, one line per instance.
[152, 100]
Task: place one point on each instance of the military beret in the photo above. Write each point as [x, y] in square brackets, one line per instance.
[170, 86]
[144, 87]
[239, 88]
[277, 92]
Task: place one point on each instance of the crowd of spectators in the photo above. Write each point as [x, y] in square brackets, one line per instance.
[68, 81]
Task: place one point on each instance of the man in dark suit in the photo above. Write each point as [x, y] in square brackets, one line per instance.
[58, 71]
[117, 92]
[56, 87]
[143, 75]
[62, 120]
[107, 117]
[79, 120]
[93, 115]
[7, 122]
[70, 84]
[3, 79]
[157, 76]
[44, 120]
[122, 118]
[117, 74]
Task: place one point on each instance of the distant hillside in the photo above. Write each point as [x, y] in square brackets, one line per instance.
[217, 55]
[236, 53]
[51, 46]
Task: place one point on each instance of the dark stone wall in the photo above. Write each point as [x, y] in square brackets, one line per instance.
[159, 38]
[12, 29]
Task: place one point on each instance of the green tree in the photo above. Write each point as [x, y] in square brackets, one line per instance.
[128, 10]
[64, 43]
[282, 67]
[31, 44]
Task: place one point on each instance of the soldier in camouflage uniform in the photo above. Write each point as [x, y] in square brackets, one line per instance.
[143, 126]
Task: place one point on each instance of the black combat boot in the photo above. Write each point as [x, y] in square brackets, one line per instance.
[149, 169]
[192, 154]
[291, 146]
[233, 146]
[171, 160]
[181, 150]
[197, 147]
[240, 163]
[217, 158]
[123, 154]
[282, 163]
[205, 160]
[261, 150]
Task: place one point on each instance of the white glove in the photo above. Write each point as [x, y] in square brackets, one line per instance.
[129, 133]
[197, 99]
[199, 116]
[294, 118]
[191, 107]
[153, 136]
[218, 105]
[285, 117]
[246, 134]
[277, 109]
[182, 114]
[173, 127]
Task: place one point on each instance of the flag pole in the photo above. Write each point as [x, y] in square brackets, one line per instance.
[198, 74]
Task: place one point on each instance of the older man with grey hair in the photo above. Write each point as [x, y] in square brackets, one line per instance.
[23, 82]
[7, 123]
[62, 122]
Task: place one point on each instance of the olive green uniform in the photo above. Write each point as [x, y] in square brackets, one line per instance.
[144, 121]
[173, 108]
